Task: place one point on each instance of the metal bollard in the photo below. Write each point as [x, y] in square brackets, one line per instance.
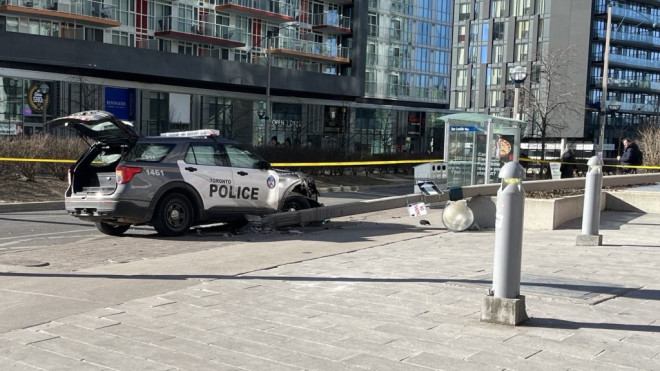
[508, 232]
[591, 210]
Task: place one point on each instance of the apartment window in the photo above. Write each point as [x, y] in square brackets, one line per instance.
[372, 54]
[494, 76]
[498, 31]
[460, 56]
[493, 98]
[497, 54]
[461, 78]
[461, 99]
[373, 24]
[373, 4]
[542, 6]
[520, 53]
[522, 30]
[370, 82]
[395, 32]
[497, 8]
[393, 84]
[461, 33]
[121, 38]
[544, 31]
[521, 7]
[463, 12]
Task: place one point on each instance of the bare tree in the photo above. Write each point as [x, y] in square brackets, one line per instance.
[550, 95]
[648, 139]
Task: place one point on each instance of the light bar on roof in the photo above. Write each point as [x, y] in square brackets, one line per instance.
[193, 133]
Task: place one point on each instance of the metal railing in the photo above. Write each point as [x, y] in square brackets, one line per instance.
[310, 47]
[90, 8]
[331, 19]
[272, 6]
[202, 28]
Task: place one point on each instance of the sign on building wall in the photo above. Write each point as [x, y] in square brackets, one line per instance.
[120, 102]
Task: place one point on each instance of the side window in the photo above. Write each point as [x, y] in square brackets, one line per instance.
[205, 154]
[150, 152]
[241, 157]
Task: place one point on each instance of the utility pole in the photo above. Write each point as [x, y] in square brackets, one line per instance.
[603, 98]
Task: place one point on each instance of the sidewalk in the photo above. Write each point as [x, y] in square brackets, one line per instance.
[376, 292]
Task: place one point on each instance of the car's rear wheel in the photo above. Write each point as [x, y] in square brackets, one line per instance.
[294, 202]
[174, 215]
[112, 229]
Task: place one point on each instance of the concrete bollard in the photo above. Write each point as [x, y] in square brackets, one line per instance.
[591, 210]
[504, 304]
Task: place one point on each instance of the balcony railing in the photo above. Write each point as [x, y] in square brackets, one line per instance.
[331, 20]
[281, 8]
[634, 62]
[106, 13]
[621, 12]
[627, 83]
[322, 51]
[629, 37]
[186, 28]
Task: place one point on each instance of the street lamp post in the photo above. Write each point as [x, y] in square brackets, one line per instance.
[518, 74]
[614, 107]
[44, 89]
[603, 98]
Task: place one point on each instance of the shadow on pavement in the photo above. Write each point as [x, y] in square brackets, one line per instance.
[571, 325]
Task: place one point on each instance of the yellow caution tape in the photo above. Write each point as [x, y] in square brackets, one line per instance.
[357, 163]
[34, 159]
[350, 163]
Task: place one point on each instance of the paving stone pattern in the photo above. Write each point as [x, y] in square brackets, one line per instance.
[407, 305]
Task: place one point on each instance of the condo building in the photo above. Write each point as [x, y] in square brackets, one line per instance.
[362, 75]
[491, 37]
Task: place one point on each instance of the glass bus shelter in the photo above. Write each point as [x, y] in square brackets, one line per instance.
[478, 144]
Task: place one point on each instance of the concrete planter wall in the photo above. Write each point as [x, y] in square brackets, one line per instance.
[549, 214]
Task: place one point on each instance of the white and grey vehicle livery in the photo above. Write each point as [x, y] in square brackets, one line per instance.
[172, 181]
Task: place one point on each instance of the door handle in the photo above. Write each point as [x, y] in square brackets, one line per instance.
[242, 173]
[190, 168]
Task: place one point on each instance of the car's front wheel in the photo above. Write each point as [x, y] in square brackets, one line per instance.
[112, 229]
[174, 215]
[294, 202]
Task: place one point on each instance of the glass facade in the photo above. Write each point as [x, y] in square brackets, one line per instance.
[409, 49]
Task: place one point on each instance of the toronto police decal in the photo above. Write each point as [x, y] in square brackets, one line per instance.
[271, 182]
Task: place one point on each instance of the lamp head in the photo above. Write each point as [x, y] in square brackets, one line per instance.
[518, 74]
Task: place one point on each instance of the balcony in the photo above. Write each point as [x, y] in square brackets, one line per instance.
[277, 11]
[619, 13]
[341, 2]
[627, 38]
[184, 29]
[627, 84]
[638, 63]
[89, 13]
[332, 22]
[320, 52]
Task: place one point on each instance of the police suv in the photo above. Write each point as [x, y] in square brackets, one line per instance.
[172, 181]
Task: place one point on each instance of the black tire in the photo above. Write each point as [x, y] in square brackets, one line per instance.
[294, 202]
[174, 215]
[112, 230]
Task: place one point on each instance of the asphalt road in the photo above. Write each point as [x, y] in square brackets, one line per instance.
[40, 238]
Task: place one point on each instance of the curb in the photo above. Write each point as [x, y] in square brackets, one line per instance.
[31, 206]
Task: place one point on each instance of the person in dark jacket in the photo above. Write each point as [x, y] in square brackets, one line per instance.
[567, 167]
[632, 155]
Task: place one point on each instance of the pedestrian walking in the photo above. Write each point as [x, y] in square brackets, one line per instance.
[632, 155]
[567, 167]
